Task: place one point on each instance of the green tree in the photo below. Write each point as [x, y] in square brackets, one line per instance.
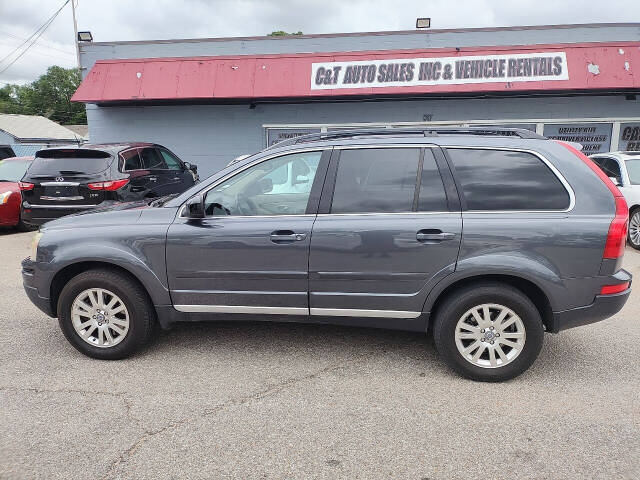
[282, 33]
[50, 96]
[9, 99]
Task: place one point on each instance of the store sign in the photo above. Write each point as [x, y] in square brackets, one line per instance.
[594, 137]
[276, 135]
[527, 67]
[629, 137]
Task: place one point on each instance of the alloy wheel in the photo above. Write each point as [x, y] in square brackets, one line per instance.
[490, 335]
[100, 317]
[634, 229]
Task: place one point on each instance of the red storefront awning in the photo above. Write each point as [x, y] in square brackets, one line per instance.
[539, 68]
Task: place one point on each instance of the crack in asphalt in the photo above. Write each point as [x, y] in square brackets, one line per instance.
[270, 390]
[120, 395]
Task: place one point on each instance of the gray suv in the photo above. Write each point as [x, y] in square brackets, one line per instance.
[485, 237]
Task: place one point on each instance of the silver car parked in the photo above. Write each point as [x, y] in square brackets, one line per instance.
[485, 238]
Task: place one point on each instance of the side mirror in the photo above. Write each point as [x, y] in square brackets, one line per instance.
[195, 208]
[191, 166]
[616, 181]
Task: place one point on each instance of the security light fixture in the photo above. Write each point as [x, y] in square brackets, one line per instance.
[423, 23]
[85, 37]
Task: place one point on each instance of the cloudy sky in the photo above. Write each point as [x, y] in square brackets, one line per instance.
[164, 19]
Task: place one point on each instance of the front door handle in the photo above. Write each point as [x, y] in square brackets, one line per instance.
[433, 235]
[286, 236]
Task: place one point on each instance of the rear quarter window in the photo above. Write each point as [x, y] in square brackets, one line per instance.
[507, 180]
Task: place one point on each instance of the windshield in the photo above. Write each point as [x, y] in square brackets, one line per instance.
[633, 170]
[12, 170]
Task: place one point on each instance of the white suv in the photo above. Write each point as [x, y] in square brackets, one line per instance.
[623, 168]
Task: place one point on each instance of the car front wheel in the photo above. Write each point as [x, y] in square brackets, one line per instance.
[105, 314]
[488, 332]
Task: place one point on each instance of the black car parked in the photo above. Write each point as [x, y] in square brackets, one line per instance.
[67, 180]
[6, 152]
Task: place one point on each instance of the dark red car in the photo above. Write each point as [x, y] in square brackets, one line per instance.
[11, 172]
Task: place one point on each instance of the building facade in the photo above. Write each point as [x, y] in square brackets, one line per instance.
[210, 100]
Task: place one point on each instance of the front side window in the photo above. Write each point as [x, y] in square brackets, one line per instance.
[279, 186]
[507, 180]
[376, 180]
[172, 162]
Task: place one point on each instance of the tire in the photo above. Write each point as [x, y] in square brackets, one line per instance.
[138, 314]
[25, 227]
[455, 318]
[633, 237]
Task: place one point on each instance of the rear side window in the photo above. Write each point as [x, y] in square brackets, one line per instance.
[131, 160]
[152, 159]
[70, 162]
[432, 197]
[373, 180]
[507, 180]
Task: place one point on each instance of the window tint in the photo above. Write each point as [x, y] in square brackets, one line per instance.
[152, 159]
[373, 180]
[172, 162]
[633, 170]
[504, 180]
[280, 186]
[432, 197]
[64, 162]
[609, 166]
[131, 160]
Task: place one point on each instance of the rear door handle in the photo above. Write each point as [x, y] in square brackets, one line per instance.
[287, 236]
[434, 235]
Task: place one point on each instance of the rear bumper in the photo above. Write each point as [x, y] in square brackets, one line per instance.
[603, 307]
[41, 214]
[9, 215]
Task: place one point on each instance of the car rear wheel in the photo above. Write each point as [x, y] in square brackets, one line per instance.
[488, 332]
[634, 229]
[105, 314]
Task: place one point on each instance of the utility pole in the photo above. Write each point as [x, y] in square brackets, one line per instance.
[75, 30]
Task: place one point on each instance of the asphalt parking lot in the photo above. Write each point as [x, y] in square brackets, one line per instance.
[261, 400]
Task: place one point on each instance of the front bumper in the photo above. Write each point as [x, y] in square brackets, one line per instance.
[603, 307]
[29, 283]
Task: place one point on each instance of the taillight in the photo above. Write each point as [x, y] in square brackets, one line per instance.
[617, 235]
[108, 186]
[25, 186]
[611, 289]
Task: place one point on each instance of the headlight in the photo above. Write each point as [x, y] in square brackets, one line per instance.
[34, 245]
[4, 197]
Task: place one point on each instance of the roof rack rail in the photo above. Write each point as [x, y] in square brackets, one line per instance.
[426, 131]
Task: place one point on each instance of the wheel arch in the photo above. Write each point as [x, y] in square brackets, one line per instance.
[64, 275]
[526, 286]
